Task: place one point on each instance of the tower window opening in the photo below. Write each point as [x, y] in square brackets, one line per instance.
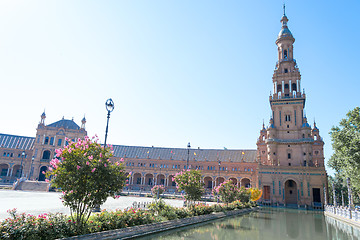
[303, 136]
[285, 53]
[315, 137]
[279, 88]
[285, 70]
[289, 155]
[289, 164]
[287, 126]
[287, 119]
[286, 86]
[293, 86]
[46, 140]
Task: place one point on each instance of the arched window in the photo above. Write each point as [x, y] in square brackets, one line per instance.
[293, 86]
[46, 154]
[46, 140]
[52, 141]
[285, 53]
[315, 137]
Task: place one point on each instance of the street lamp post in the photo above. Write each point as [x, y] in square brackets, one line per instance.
[109, 107]
[21, 164]
[109, 104]
[188, 157]
[31, 166]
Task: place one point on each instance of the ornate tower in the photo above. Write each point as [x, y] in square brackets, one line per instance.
[289, 139]
[290, 152]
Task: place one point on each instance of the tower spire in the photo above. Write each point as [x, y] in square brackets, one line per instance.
[284, 9]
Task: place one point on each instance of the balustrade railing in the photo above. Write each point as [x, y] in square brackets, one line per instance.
[345, 212]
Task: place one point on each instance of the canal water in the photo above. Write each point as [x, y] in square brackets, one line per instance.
[268, 224]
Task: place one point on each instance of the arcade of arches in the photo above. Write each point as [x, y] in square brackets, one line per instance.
[146, 181]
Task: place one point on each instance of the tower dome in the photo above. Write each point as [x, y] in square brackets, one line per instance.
[285, 33]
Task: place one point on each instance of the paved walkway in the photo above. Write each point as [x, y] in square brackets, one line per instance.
[41, 202]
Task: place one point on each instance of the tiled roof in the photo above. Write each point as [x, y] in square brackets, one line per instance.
[182, 154]
[16, 142]
[64, 123]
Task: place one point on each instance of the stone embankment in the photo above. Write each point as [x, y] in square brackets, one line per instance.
[143, 230]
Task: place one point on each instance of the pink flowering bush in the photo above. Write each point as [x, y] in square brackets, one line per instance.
[157, 190]
[191, 183]
[87, 177]
[44, 226]
[227, 191]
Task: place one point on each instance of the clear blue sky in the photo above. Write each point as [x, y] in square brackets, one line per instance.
[178, 71]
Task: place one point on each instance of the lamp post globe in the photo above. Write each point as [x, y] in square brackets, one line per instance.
[109, 104]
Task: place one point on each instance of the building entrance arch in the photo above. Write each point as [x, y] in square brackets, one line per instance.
[219, 180]
[43, 170]
[208, 182]
[291, 194]
[160, 179]
[245, 182]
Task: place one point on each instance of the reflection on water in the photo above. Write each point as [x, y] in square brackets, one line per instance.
[269, 224]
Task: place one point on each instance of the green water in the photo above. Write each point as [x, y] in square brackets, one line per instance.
[269, 224]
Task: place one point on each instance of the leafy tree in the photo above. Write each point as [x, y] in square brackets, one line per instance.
[340, 187]
[244, 195]
[190, 181]
[87, 177]
[346, 144]
[227, 191]
[157, 190]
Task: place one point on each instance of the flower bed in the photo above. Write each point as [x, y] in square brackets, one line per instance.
[53, 226]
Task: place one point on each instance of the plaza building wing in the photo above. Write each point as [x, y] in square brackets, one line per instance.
[16, 142]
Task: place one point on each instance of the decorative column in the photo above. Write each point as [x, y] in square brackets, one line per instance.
[290, 88]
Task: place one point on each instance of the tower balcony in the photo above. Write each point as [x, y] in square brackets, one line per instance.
[285, 97]
[289, 141]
